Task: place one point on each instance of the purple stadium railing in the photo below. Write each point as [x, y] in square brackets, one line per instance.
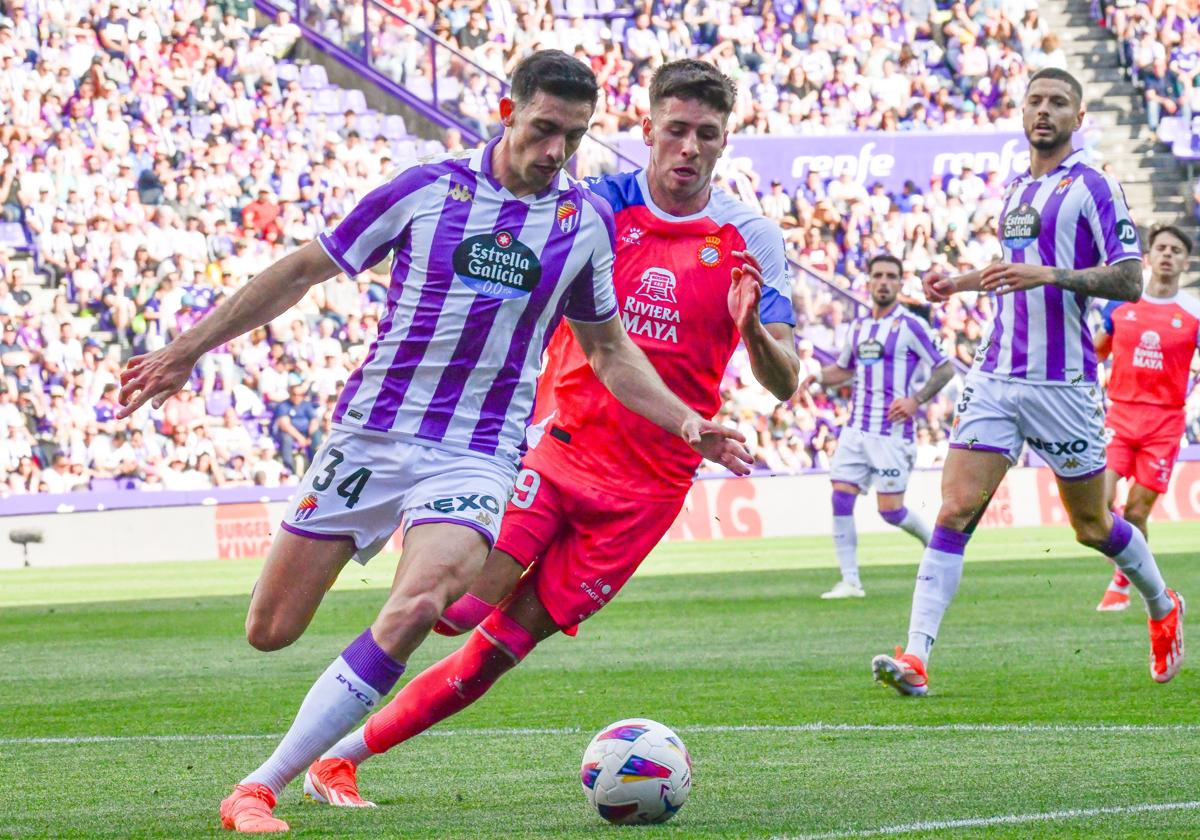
[358, 53]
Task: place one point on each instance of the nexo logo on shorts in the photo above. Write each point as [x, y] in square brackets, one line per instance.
[497, 265]
[1058, 447]
[472, 501]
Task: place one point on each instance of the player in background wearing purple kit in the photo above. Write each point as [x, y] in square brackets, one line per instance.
[491, 250]
[1067, 236]
[882, 354]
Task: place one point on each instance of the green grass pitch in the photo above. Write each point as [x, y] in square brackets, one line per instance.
[130, 702]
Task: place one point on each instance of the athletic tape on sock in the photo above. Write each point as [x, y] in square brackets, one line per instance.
[463, 615]
[1118, 537]
[949, 541]
[505, 632]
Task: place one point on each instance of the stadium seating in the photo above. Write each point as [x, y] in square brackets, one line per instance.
[153, 230]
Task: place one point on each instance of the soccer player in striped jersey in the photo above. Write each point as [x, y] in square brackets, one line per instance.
[697, 271]
[1067, 236]
[491, 250]
[882, 354]
[1152, 343]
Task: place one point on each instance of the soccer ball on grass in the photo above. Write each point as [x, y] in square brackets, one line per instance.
[636, 771]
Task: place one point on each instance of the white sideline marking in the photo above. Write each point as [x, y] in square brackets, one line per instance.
[1006, 819]
[902, 728]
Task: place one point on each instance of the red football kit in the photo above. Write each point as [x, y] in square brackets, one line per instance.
[1153, 341]
[603, 485]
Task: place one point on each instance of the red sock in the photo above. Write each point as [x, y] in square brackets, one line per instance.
[451, 685]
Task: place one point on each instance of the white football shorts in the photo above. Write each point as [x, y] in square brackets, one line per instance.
[867, 460]
[1064, 424]
[361, 486]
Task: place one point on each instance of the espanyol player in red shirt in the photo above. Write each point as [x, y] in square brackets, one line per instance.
[603, 486]
[490, 250]
[1152, 342]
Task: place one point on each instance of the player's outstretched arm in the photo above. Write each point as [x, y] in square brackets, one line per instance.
[627, 373]
[773, 359]
[831, 376]
[1119, 281]
[160, 374]
[939, 288]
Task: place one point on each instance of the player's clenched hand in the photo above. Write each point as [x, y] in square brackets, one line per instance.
[745, 291]
[902, 408]
[718, 443]
[938, 287]
[1003, 278]
[155, 376]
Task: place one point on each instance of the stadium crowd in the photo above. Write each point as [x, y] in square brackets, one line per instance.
[161, 153]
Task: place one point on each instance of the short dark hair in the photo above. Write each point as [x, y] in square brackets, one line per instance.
[1059, 75]
[1159, 230]
[691, 79]
[887, 258]
[556, 73]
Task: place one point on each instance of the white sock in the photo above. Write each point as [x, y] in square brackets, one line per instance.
[1131, 553]
[338, 700]
[937, 582]
[353, 747]
[915, 525]
[919, 645]
[349, 689]
[845, 546]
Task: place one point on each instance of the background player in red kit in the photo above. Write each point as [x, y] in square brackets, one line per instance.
[603, 486]
[1152, 344]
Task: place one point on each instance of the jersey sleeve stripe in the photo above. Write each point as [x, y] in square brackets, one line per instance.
[1105, 205]
[368, 232]
[332, 252]
[774, 308]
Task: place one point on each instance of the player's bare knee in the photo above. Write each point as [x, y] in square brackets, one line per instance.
[1136, 514]
[403, 618]
[956, 513]
[1091, 531]
[268, 634]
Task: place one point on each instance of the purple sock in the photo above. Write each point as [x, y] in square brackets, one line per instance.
[372, 664]
[948, 541]
[894, 517]
[843, 503]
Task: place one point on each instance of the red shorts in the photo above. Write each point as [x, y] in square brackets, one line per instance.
[1144, 443]
[579, 544]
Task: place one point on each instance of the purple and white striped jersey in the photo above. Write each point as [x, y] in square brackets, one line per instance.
[1073, 217]
[480, 279]
[885, 353]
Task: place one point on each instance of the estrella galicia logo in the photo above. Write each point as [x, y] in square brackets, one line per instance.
[1021, 227]
[1126, 232]
[497, 265]
[869, 352]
